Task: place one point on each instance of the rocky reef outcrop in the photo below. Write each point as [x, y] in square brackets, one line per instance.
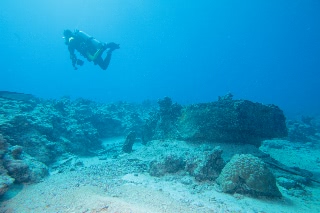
[162, 123]
[34, 133]
[5, 179]
[77, 126]
[203, 165]
[17, 166]
[226, 120]
[48, 128]
[304, 130]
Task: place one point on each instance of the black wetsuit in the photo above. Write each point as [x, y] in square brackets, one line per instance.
[90, 48]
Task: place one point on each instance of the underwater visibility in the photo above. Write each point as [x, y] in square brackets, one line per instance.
[152, 107]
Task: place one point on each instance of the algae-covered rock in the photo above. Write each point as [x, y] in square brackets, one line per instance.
[208, 166]
[18, 166]
[302, 131]
[236, 121]
[169, 164]
[5, 182]
[163, 123]
[226, 120]
[5, 179]
[127, 146]
[248, 175]
[18, 169]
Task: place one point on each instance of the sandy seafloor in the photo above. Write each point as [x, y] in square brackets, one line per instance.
[119, 182]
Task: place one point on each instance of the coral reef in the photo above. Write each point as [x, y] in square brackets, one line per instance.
[248, 175]
[77, 126]
[303, 131]
[5, 179]
[59, 126]
[16, 166]
[36, 133]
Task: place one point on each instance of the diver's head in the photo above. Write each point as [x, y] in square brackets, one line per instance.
[66, 35]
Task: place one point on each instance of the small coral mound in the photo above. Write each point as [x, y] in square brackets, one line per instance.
[247, 174]
[207, 168]
[5, 182]
[170, 164]
[17, 166]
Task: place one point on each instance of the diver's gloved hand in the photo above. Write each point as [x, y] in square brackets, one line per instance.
[112, 46]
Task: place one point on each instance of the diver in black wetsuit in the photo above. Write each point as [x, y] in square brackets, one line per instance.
[88, 47]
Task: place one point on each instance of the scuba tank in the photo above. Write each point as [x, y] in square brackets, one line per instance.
[88, 40]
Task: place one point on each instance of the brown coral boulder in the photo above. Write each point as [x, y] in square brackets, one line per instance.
[18, 169]
[208, 166]
[169, 164]
[247, 174]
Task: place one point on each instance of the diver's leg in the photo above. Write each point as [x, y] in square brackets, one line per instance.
[104, 63]
[111, 45]
[99, 61]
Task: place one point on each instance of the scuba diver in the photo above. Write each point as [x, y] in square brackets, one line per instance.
[88, 47]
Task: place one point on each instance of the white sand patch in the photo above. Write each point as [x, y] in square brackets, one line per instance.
[111, 186]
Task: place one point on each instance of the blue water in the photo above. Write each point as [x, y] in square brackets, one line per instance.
[191, 51]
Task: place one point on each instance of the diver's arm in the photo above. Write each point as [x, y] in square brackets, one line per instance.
[73, 56]
[74, 59]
